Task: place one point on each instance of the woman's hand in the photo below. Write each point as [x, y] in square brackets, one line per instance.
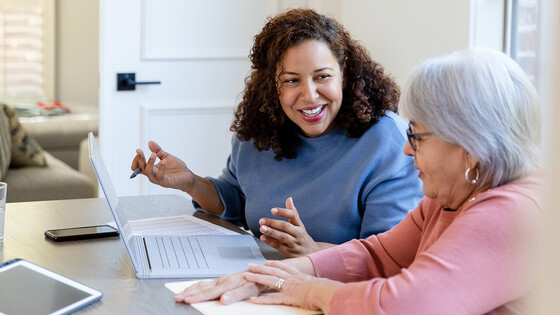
[171, 172]
[228, 289]
[290, 238]
[296, 288]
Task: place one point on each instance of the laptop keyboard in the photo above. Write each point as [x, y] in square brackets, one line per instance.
[180, 252]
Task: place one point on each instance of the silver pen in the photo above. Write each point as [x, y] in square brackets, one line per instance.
[136, 172]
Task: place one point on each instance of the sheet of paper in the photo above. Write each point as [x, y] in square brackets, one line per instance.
[241, 307]
[176, 225]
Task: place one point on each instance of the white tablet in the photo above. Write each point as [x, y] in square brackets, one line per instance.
[26, 288]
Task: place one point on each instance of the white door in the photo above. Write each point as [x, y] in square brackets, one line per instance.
[198, 51]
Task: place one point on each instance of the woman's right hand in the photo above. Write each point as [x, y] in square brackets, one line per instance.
[228, 289]
[170, 172]
[234, 287]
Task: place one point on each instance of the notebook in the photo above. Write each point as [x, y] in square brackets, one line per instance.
[174, 256]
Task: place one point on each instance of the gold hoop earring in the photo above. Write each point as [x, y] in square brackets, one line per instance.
[472, 181]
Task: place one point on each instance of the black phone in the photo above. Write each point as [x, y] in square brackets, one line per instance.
[81, 233]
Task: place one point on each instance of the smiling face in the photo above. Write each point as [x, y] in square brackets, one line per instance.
[442, 167]
[310, 87]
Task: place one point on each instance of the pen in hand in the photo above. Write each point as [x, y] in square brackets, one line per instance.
[136, 172]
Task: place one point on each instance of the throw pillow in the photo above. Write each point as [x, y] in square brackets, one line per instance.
[25, 150]
[5, 144]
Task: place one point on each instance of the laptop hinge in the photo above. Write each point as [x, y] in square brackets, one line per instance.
[147, 255]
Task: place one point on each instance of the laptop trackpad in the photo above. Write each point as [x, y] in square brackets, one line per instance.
[236, 252]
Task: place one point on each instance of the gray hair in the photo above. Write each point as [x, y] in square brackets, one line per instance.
[481, 100]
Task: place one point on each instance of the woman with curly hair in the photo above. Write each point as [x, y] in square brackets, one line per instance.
[317, 125]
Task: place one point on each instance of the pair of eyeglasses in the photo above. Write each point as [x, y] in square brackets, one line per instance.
[412, 137]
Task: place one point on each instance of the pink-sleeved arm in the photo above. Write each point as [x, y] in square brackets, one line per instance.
[473, 267]
[392, 250]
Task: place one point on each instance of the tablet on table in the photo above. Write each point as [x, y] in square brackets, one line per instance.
[26, 288]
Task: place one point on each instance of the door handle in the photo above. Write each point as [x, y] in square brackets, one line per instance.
[127, 82]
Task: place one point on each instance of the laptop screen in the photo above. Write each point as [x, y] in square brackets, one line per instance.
[110, 193]
[103, 175]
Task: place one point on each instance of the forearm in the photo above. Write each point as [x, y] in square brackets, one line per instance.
[205, 194]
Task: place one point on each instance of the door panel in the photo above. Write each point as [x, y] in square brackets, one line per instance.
[213, 140]
[202, 29]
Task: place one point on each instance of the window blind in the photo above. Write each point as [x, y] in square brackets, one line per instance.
[23, 60]
[525, 36]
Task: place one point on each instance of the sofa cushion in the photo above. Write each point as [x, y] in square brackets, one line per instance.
[25, 150]
[56, 181]
[61, 135]
[5, 144]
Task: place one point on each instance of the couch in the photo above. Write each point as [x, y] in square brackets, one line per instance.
[31, 171]
[61, 135]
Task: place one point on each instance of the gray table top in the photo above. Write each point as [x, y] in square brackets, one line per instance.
[101, 263]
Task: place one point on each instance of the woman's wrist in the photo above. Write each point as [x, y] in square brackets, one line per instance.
[324, 245]
[322, 292]
[302, 264]
[190, 182]
[203, 191]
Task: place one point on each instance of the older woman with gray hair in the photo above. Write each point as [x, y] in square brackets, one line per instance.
[475, 135]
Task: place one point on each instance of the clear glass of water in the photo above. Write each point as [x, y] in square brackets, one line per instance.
[3, 192]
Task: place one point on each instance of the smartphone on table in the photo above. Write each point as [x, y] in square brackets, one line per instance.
[81, 233]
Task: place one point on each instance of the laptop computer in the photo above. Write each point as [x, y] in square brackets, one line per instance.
[174, 256]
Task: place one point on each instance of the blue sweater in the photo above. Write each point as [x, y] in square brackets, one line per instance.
[343, 188]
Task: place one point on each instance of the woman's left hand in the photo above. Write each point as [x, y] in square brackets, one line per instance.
[290, 238]
[295, 288]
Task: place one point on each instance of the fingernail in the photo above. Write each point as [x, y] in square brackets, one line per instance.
[264, 229]
[262, 221]
[226, 299]
[274, 211]
[263, 238]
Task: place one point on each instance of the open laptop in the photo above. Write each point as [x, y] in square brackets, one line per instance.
[175, 256]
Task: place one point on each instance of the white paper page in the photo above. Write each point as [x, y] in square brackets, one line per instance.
[242, 307]
[176, 225]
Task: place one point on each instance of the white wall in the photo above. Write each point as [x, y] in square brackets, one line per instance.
[550, 259]
[400, 34]
[77, 52]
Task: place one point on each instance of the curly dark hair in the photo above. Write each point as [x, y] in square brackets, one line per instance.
[367, 91]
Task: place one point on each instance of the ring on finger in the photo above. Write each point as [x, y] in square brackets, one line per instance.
[279, 284]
